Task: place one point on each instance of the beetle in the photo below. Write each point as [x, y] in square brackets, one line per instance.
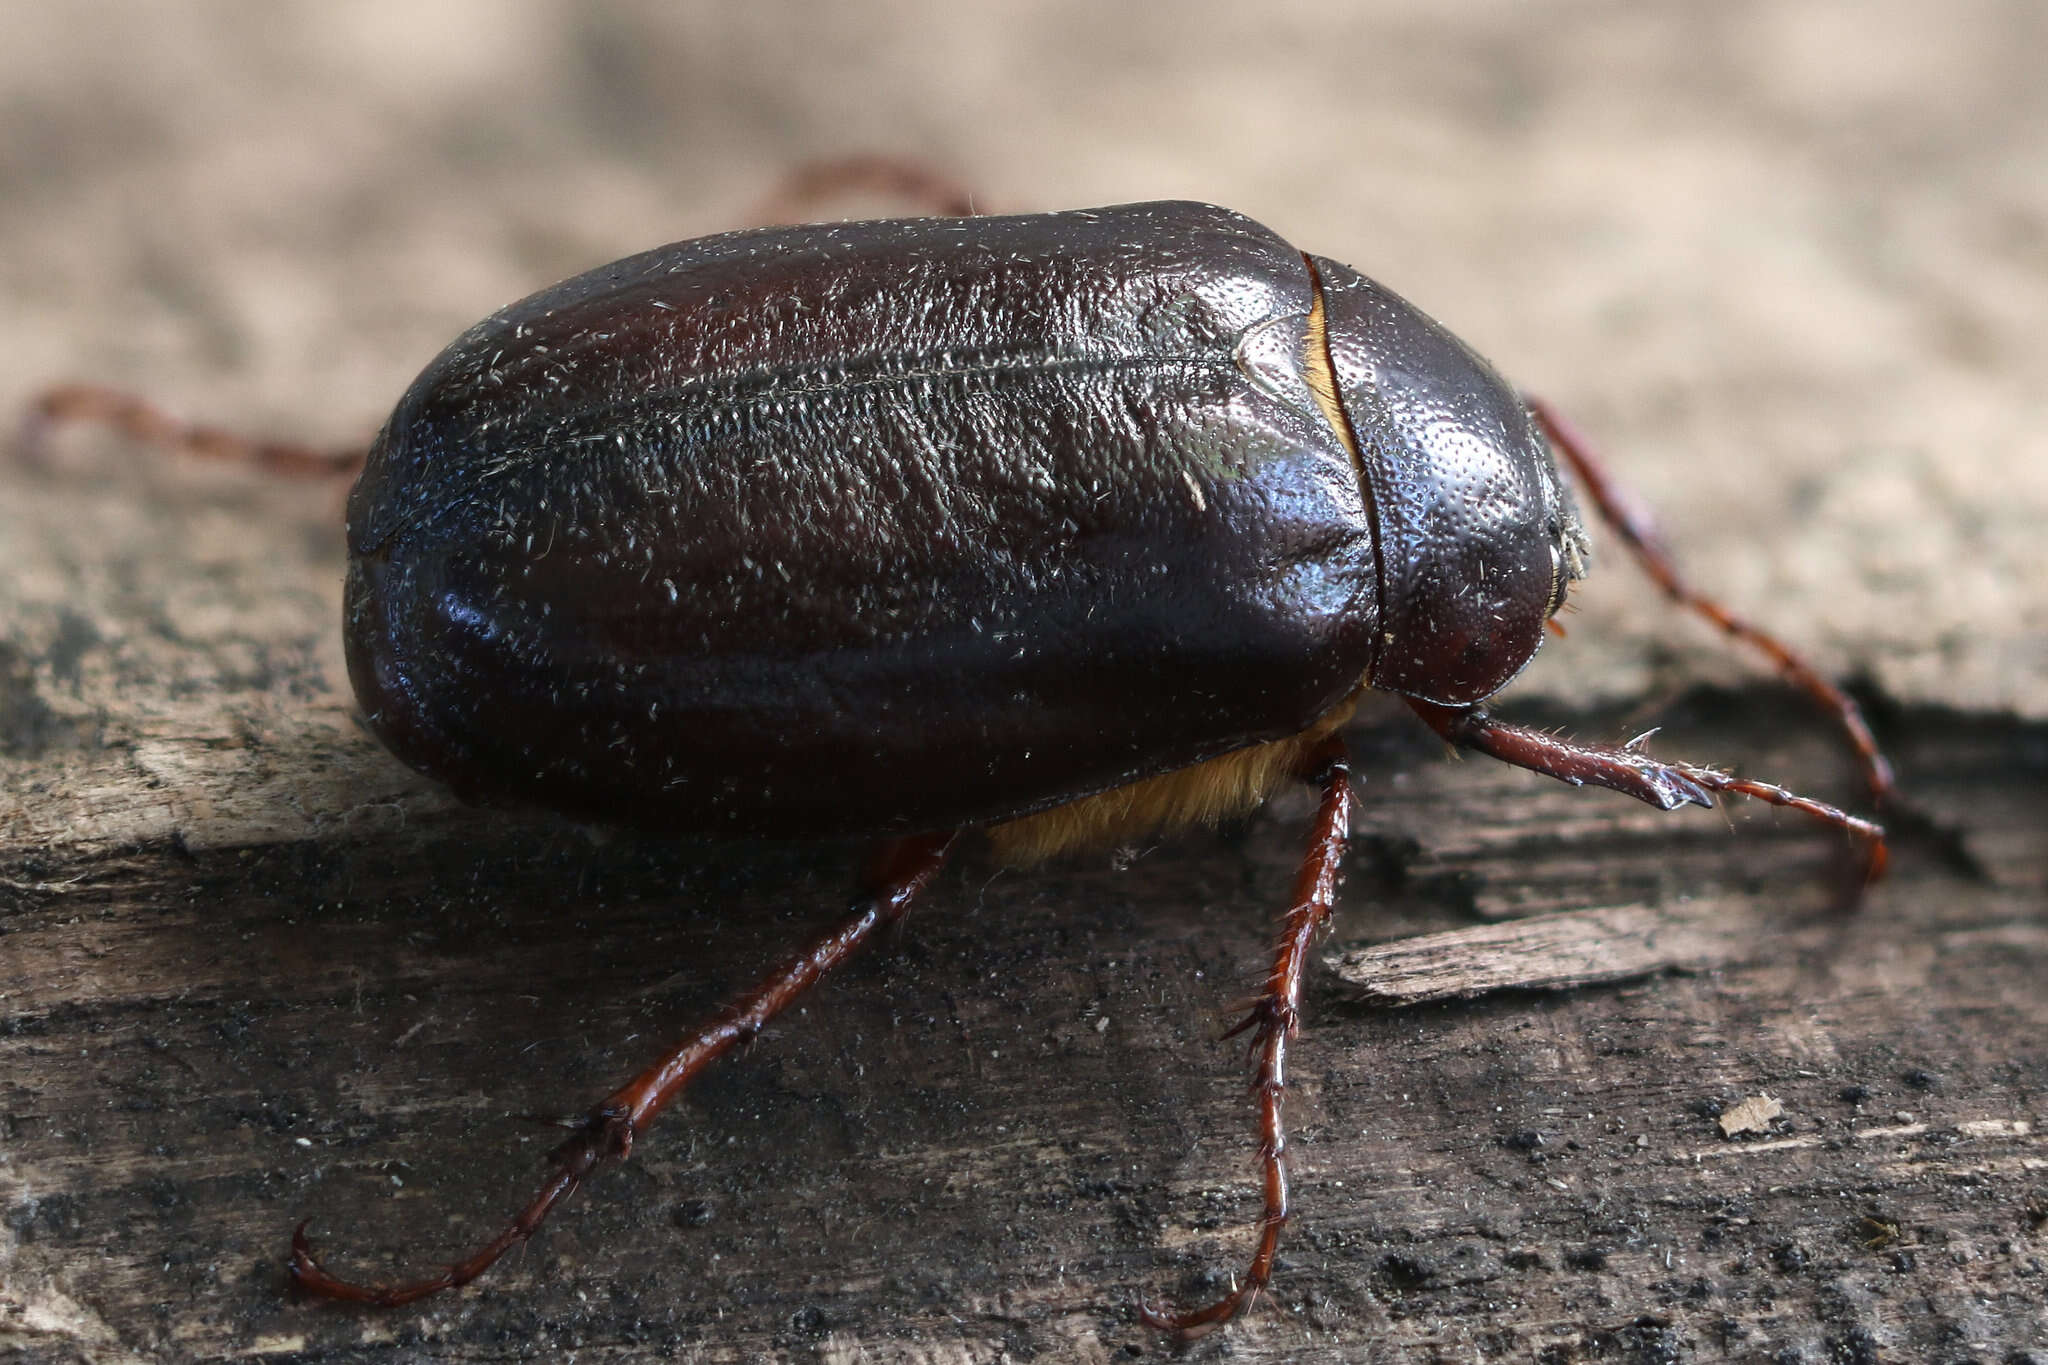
[1072, 528]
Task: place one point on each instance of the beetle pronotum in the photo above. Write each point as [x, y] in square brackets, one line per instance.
[1071, 528]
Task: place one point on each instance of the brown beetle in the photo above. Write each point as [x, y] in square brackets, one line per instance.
[1070, 527]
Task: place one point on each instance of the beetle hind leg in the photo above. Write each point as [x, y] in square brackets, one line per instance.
[900, 872]
[1273, 1018]
[143, 422]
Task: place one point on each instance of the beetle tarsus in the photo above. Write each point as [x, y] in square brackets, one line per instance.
[311, 1277]
[1272, 1020]
[1876, 852]
[605, 1134]
[900, 872]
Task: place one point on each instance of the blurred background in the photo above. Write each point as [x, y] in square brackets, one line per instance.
[1787, 261]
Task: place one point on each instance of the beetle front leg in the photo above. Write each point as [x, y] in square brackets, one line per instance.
[900, 872]
[1275, 1017]
[1627, 769]
[1632, 521]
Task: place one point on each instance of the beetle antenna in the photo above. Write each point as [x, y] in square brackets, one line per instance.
[1631, 520]
[901, 870]
[143, 422]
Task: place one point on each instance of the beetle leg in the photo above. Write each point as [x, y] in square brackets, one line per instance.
[1629, 770]
[797, 198]
[142, 421]
[1274, 1018]
[1632, 521]
[900, 872]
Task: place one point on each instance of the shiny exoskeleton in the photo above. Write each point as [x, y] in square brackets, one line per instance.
[1069, 527]
[745, 533]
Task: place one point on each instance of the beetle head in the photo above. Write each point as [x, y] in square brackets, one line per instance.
[1478, 538]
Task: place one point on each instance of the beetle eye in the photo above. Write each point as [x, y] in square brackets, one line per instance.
[1560, 581]
[1569, 552]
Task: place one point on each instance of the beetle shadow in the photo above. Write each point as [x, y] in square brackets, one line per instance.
[1032, 1056]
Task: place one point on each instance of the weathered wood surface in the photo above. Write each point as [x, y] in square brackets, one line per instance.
[992, 1139]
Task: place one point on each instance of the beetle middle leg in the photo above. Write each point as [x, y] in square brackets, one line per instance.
[1273, 1019]
[900, 872]
[797, 198]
